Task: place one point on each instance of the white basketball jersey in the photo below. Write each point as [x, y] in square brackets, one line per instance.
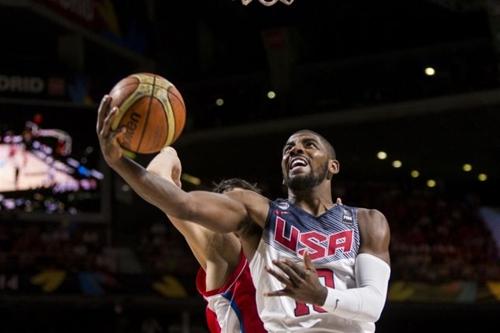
[332, 241]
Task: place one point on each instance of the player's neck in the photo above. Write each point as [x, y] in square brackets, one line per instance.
[315, 201]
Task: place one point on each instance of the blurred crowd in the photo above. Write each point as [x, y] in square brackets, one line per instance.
[435, 236]
[434, 239]
[31, 247]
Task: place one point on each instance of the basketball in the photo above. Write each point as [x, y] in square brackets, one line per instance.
[151, 109]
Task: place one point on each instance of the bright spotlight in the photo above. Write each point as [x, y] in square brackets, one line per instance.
[429, 71]
[219, 102]
[414, 173]
[397, 164]
[271, 94]
[381, 155]
[482, 177]
[467, 167]
[431, 183]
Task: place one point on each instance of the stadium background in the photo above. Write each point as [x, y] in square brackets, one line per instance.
[418, 80]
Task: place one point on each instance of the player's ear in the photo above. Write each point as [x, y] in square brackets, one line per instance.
[333, 168]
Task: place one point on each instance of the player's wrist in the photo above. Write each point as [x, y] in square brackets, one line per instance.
[113, 161]
[118, 163]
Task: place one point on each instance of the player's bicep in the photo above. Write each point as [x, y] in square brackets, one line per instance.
[217, 212]
[375, 233]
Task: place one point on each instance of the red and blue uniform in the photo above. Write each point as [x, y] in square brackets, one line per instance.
[232, 307]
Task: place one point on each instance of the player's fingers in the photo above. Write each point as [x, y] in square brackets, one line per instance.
[106, 127]
[299, 269]
[118, 134]
[282, 292]
[280, 277]
[102, 112]
[308, 262]
[339, 201]
[294, 272]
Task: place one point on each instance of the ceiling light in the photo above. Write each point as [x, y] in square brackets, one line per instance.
[397, 164]
[429, 71]
[381, 155]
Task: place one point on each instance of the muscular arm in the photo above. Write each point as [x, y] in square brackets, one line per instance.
[218, 254]
[212, 210]
[372, 271]
[375, 234]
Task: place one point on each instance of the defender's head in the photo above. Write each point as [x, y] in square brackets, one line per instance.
[308, 159]
[232, 184]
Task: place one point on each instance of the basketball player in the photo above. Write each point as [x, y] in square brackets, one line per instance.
[224, 277]
[316, 266]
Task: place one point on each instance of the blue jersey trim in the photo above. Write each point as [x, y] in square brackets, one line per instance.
[229, 296]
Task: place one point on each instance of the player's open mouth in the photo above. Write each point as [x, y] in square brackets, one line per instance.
[297, 162]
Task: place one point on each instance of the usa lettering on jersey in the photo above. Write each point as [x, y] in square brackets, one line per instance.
[319, 245]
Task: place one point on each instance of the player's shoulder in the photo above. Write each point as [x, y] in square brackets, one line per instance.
[248, 197]
[374, 233]
[371, 215]
[256, 205]
[372, 221]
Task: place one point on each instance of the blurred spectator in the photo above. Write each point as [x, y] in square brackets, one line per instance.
[435, 238]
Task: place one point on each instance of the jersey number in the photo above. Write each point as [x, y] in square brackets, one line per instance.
[302, 309]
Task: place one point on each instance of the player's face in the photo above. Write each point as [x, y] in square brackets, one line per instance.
[305, 161]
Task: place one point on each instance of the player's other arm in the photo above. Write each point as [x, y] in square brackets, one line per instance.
[206, 245]
[366, 301]
[372, 270]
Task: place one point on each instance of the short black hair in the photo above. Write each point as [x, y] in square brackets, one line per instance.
[326, 143]
[231, 183]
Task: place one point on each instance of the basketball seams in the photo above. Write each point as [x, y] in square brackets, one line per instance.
[165, 143]
[125, 104]
[169, 113]
[147, 113]
[178, 98]
[170, 110]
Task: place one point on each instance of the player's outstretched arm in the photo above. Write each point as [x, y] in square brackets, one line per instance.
[214, 211]
[363, 303]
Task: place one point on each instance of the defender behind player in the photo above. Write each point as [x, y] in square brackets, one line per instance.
[224, 277]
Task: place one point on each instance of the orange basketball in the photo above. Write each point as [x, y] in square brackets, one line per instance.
[151, 109]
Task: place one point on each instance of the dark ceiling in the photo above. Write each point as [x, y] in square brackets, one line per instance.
[342, 57]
